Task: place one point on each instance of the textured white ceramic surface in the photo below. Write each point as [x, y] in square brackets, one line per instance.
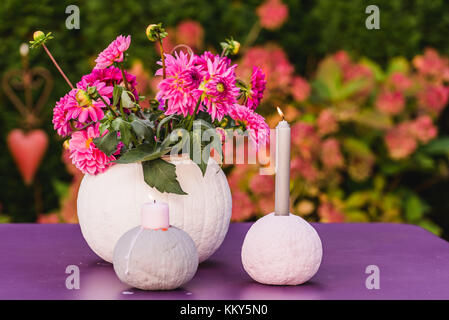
[109, 205]
[281, 250]
[155, 259]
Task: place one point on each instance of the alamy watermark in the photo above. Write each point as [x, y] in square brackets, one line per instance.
[73, 20]
[373, 20]
[72, 282]
[373, 280]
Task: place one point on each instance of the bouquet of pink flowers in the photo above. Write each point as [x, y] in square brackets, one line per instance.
[198, 96]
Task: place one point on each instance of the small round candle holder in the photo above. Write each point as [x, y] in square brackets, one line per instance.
[281, 250]
[155, 255]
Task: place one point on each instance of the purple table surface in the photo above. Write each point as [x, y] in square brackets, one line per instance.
[413, 263]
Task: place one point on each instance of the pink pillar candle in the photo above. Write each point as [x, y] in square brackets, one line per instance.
[155, 215]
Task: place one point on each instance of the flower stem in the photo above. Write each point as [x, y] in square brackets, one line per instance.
[194, 114]
[57, 66]
[123, 76]
[164, 72]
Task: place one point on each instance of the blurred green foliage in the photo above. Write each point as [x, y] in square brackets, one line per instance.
[315, 28]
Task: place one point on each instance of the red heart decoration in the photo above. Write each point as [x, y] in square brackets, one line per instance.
[27, 150]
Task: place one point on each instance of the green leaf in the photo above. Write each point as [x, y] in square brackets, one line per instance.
[398, 64]
[430, 226]
[116, 94]
[161, 175]
[142, 129]
[107, 143]
[163, 121]
[143, 152]
[414, 208]
[125, 133]
[438, 146]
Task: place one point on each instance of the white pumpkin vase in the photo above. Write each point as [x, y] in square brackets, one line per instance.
[109, 205]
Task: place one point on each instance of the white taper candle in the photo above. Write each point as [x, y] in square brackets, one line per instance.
[282, 190]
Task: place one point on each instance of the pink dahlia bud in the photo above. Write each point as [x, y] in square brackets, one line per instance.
[38, 35]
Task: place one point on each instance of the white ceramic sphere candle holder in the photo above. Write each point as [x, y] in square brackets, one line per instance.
[281, 250]
[155, 255]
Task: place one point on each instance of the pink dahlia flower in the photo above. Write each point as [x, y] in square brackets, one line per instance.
[223, 62]
[180, 87]
[60, 122]
[102, 88]
[255, 124]
[80, 107]
[219, 92]
[113, 53]
[390, 102]
[110, 76]
[85, 155]
[300, 89]
[272, 14]
[258, 83]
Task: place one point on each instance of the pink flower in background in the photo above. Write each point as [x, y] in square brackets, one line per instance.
[190, 33]
[242, 206]
[328, 213]
[180, 87]
[431, 63]
[262, 184]
[113, 53]
[400, 81]
[218, 88]
[272, 14]
[81, 108]
[300, 89]
[257, 89]
[85, 155]
[169, 42]
[331, 156]
[326, 123]
[343, 59]
[423, 129]
[258, 129]
[304, 169]
[434, 98]
[305, 139]
[357, 71]
[390, 102]
[274, 63]
[400, 141]
[60, 122]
